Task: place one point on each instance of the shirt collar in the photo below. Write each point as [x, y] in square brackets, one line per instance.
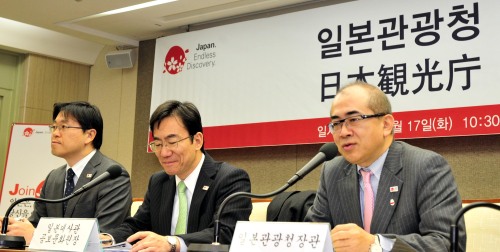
[80, 165]
[375, 167]
[190, 181]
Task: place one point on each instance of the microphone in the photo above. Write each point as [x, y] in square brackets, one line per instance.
[111, 173]
[327, 152]
[454, 228]
[18, 241]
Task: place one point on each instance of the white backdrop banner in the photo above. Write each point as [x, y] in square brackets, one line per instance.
[271, 81]
[29, 160]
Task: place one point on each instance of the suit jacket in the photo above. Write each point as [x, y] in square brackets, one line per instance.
[290, 206]
[424, 204]
[216, 181]
[109, 201]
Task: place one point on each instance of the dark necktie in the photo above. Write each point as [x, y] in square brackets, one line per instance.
[70, 186]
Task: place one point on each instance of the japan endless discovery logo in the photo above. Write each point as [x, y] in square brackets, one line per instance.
[176, 59]
[27, 132]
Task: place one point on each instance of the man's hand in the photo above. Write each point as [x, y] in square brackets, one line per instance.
[351, 237]
[150, 241]
[21, 228]
[1, 221]
[11, 220]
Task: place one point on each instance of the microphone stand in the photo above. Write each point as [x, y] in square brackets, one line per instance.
[216, 246]
[7, 241]
[18, 242]
[326, 152]
[453, 226]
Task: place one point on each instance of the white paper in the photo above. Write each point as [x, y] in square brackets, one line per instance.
[123, 246]
[251, 236]
[66, 234]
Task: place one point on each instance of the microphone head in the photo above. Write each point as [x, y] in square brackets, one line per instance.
[114, 171]
[330, 150]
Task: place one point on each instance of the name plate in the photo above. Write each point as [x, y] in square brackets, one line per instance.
[254, 236]
[66, 234]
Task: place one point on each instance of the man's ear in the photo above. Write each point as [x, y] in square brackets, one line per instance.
[198, 140]
[90, 133]
[388, 125]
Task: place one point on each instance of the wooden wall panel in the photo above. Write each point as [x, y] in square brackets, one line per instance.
[49, 81]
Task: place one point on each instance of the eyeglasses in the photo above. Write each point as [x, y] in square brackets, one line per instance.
[62, 128]
[157, 145]
[352, 121]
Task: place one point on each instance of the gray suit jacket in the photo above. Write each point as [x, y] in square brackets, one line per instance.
[425, 203]
[109, 201]
[216, 181]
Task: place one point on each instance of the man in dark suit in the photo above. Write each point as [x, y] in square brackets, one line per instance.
[77, 132]
[178, 144]
[381, 194]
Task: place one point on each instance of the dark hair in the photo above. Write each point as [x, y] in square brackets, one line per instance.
[186, 111]
[86, 114]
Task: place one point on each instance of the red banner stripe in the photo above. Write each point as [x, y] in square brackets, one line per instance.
[465, 121]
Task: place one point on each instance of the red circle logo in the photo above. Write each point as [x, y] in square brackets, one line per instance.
[174, 60]
[39, 189]
[27, 132]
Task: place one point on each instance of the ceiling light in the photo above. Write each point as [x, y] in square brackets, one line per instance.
[125, 9]
[136, 7]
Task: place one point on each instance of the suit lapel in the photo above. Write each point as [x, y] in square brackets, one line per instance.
[205, 180]
[86, 176]
[387, 200]
[168, 192]
[348, 189]
[56, 210]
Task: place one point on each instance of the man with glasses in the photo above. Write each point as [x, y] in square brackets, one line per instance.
[381, 194]
[181, 200]
[77, 133]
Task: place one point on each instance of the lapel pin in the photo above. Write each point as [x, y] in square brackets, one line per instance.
[393, 189]
[89, 175]
[205, 188]
[392, 203]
